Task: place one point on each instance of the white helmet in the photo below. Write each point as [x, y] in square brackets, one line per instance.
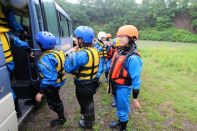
[18, 3]
[101, 34]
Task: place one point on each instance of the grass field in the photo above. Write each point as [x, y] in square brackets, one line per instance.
[168, 94]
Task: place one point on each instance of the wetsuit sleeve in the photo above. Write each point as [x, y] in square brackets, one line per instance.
[12, 20]
[134, 67]
[19, 43]
[75, 60]
[46, 69]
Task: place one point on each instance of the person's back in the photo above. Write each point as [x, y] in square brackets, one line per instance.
[83, 64]
[52, 75]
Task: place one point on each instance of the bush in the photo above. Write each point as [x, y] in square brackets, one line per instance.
[169, 34]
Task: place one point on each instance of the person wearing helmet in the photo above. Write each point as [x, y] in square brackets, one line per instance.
[124, 75]
[52, 74]
[8, 24]
[113, 48]
[109, 39]
[102, 49]
[83, 64]
[108, 57]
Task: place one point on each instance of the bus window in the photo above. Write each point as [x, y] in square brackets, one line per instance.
[51, 17]
[26, 35]
[64, 26]
[70, 28]
[39, 14]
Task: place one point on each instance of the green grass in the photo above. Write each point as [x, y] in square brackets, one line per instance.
[168, 94]
[169, 87]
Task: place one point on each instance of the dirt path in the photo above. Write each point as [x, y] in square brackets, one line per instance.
[39, 120]
[139, 120]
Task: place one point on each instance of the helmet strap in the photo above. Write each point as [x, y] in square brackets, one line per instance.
[79, 43]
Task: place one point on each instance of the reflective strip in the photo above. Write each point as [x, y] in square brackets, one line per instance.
[59, 55]
[6, 47]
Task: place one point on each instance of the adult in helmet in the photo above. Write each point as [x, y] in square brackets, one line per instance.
[8, 24]
[102, 49]
[52, 75]
[124, 75]
[83, 64]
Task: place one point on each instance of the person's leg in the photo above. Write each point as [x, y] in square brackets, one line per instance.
[122, 99]
[80, 98]
[16, 104]
[55, 104]
[84, 93]
[10, 67]
[89, 116]
[106, 70]
[33, 90]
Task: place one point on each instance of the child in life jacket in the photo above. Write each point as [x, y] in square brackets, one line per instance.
[124, 75]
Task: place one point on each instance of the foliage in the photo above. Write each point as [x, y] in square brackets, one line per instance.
[109, 15]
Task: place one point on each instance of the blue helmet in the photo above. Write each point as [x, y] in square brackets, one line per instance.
[46, 40]
[84, 32]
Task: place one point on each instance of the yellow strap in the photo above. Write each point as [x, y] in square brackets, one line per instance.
[3, 22]
[6, 47]
[89, 71]
[59, 55]
[4, 29]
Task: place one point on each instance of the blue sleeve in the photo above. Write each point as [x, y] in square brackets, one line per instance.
[46, 69]
[108, 64]
[98, 47]
[12, 20]
[134, 67]
[75, 60]
[107, 48]
[17, 42]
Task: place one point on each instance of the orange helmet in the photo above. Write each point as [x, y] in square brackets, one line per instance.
[128, 30]
[108, 35]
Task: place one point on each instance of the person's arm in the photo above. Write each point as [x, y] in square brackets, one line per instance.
[75, 60]
[107, 48]
[19, 43]
[45, 68]
[96, 46]
[12, 20]
[134, 67]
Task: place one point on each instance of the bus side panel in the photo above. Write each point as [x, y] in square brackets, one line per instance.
[4, 82]
[8, 119]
